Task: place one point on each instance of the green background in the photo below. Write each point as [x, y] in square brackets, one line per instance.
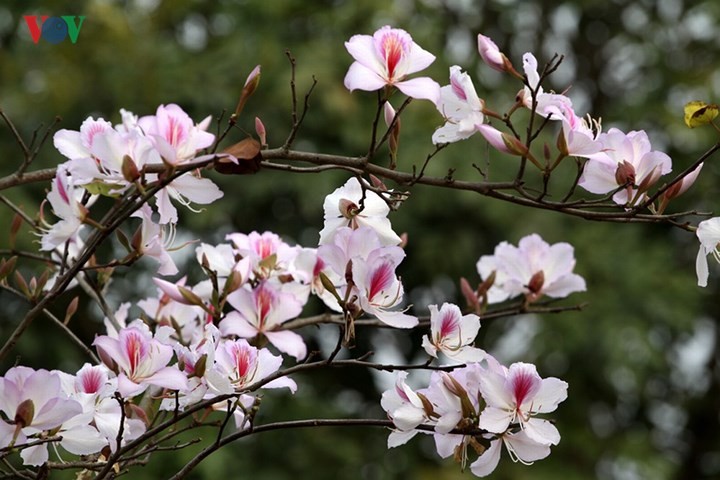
[642, 359]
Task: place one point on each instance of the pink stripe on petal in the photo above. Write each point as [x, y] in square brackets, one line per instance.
[381, 279]
[449, 323]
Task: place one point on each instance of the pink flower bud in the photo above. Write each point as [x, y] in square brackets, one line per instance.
[490, 53]
[260, 130]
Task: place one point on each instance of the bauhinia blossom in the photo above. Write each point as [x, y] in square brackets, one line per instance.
[405, 408]
[453, 334]
[461, 107]
[708, 232]
[140, 360]
[533, 268]
[175, 135]
[387, 58]
[33, 402]
[516, 395]
[262, 310]
[65, 200]
[350, 206]
[626, 161]
[379, 291]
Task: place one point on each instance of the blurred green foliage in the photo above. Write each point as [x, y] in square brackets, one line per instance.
[641, 359]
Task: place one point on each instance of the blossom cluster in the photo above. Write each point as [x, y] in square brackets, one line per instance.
[107, 160]
[482, 406]
[220, 339]
[620, 164]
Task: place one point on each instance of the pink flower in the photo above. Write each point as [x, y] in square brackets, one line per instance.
[34, 401]
[551, 105]
[453, 334]
[405, 408]
[626, 159]
[244, 365]
[533, 268]
[516, 395]
[140, 361]
[379, 290]
[461, 107]
[342, 209]
[73, 144]
[386, 58]
[262, 311]
[257, 248]
[174, 133]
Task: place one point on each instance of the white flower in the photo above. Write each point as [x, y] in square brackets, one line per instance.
[708, 232]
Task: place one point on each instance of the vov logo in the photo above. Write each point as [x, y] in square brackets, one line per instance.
[54, 29]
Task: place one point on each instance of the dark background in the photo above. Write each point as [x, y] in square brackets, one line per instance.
[641, 359]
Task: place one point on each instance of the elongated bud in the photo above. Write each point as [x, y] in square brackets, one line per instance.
[137, 241]
[459, 391]
[189, 297]
[377, 183]
[328, 285]
[514, 146]
[499, 140]
[394, 137]
[200, 366]
[71, 309]
[348, 272]
[260, 130]
[233, 282]
[471, 297]
[22, 284]
[7, 267]
[427, 405]
[493, 57]
[130, 171]
[249, 88]
[14, 229]
[25, 413]
[487, 283]
[650, 179]
[678, 188]
[561, 144]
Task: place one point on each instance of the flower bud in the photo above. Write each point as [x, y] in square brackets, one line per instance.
[260, 130]
[249, 88]
[678, 188]
[536, 282]
[25, 413]
[470, 296]
[625, 173]
[130, 171]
